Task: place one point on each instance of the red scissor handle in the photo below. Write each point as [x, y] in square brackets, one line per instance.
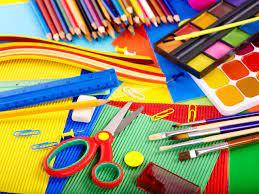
[91, 147]
[103, 139]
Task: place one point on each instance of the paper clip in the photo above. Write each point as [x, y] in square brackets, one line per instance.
[71, 133]
[135, 94]
[162, 114]
[192, 113]
[44, 145]
[26, 133]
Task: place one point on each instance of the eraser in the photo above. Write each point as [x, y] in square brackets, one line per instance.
[84, 115]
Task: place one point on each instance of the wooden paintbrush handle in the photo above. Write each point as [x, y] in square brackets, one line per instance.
[230, 135]
[243, 140]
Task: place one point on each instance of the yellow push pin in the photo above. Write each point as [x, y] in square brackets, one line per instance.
[134, 158]
[71, 133]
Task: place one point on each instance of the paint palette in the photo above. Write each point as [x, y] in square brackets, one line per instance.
[201, 55]
[234, 85]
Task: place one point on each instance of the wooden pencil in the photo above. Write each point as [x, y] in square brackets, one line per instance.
[71, 18]
[170, 7]
[113, 13]
[159, 11]
[129, 16]
[79, 18]
[41, 19]
[87, 21]
[55, 19]
[71, 29]
[89, 16]
[138, 10]
[61, 20]
[166, 11]
[48, 19]
[104, 11]
[151, 16]
[158, 20]
[128, 6]
[99, 13]
[119, 9]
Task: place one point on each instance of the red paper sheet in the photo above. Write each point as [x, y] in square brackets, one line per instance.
[218, 183]
[138, 43]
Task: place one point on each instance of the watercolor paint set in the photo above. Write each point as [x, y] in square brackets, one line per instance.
[234, 85]
[201, 55]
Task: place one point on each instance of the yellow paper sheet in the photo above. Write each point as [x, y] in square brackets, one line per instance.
[12, 1]
[21, 167]
[152, 94]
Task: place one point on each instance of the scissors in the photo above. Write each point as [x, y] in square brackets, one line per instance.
[102, 139]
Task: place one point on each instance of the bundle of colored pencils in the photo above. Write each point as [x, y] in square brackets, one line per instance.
[61, 19]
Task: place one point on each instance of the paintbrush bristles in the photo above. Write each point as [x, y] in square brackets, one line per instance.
[180, 136]
[184, 156]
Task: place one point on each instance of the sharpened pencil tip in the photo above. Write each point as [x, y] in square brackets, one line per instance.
[56, 37]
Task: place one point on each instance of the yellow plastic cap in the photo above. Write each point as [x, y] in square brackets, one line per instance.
[134, 158]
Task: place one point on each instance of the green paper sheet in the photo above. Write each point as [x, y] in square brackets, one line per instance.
[135, 137]
[244, 169]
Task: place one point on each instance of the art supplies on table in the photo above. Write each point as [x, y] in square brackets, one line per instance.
[234, 85]
[225, 145]
[212, 138]
[102, 139]
[60, 89]
[133, 138]
[216, 183]
[60, 19]
[201, 55]
[155, 179]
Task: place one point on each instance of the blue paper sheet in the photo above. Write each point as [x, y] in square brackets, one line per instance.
[183, 88]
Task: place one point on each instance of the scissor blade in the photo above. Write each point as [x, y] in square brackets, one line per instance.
[115, 122]
[126, 121]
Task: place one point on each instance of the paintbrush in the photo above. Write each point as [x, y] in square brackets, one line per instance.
[213, 120]
[211, 138]
[164, 135]
[218, 130]
[220, 146]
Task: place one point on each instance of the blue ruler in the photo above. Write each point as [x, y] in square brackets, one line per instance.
[60, 89]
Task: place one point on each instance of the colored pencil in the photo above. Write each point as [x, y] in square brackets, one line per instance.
[99, 13]
[217, 29]
[79, 18]
[41, 19]
[87, 21]
[113, 13]
[110, 30]
[61, 19]
[48, 19]
[204, 127]
[166, 11]
[212, 138]
[71, 29]
[95, 16]
[55, 19]
[225, 129]
[71, 17]
[147, 21]
[129, 16]
[223, 118]
[159, 11]
[128, 6]
[119, 9]
[158, 20]
[51, 108]
[104, 11]
[138, 10]
[148, 11]
[220, 146]
[89, 16]
[170, 7]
